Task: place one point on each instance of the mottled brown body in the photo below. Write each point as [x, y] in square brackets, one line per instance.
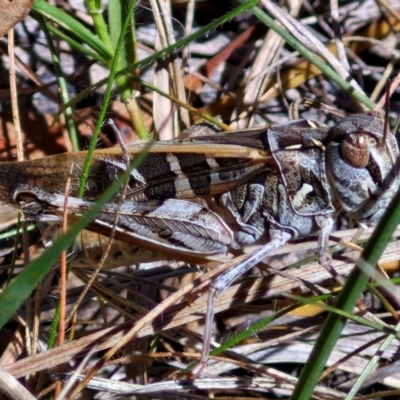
[204, 197]
[243, 186]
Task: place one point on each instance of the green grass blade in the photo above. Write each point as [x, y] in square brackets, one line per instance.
[372, 365]
[120, 19]
[79, 46]
[346, 301]
[345, 314]
[245, 334]
[73, 27]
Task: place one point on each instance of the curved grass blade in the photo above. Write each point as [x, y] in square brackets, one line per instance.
[346, 301]
[73, 26]
[22, 285]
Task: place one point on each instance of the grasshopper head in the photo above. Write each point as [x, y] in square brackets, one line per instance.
[363, 165]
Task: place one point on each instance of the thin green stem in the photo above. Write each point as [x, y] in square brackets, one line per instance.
[107, 95]
[95, 9]
[62, 84]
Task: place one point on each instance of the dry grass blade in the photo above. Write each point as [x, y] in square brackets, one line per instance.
[12, 389]
[167, 78]
[268, 54]
[182, 313]
[258, 76]
[308, 40]
[177, 389]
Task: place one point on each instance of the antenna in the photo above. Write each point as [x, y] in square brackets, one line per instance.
[387, 109]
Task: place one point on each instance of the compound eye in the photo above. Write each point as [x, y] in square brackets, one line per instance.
[372, 142]
[356, 150]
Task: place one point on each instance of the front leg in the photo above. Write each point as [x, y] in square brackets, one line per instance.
[324, 256]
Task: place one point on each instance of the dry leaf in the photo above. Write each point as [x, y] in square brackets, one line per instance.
[11, 12]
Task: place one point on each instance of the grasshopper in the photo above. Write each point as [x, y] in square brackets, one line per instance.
[199, 198]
